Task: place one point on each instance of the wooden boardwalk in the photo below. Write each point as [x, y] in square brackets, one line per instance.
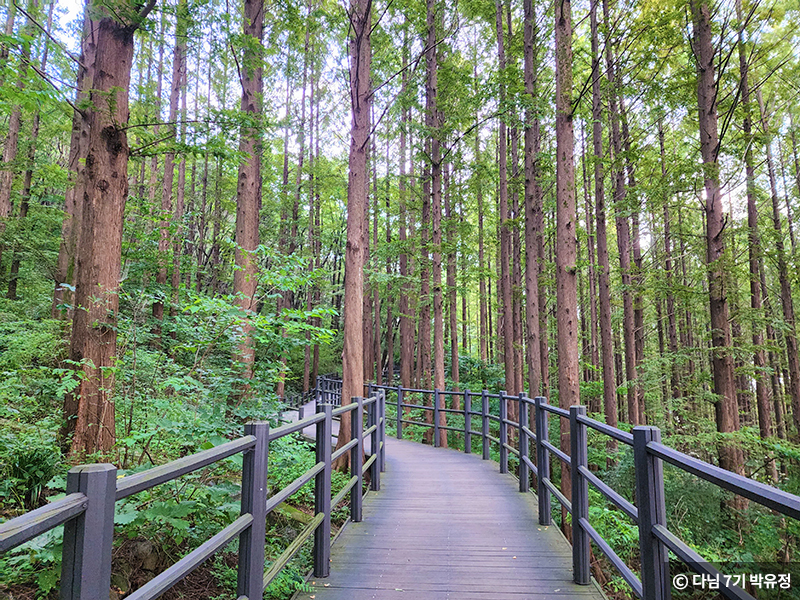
[448, 525]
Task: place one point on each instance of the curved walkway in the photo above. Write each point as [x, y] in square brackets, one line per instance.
[448, 525]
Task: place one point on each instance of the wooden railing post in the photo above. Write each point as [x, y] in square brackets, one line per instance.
[372, 419]
[437, 434]
[467, 422]
[485, 423]
[649, 470]
[542, 460]
[357, 459]
[382, 431]
[88, 538]
[250, 580]
[524, 470]
[399, 426]
[579, 457]
[322, 495]
[503, 433]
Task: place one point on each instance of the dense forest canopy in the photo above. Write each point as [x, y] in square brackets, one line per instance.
[204, 205]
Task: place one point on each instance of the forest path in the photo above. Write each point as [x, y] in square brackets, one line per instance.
[446, 524]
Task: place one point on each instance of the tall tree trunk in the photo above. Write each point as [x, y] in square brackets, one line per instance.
[516, 273]
[591, 248]
[284, 234]
[248, 188]
[73, 205]
[27, 181]
[566, 234]
[637, 277]
[604, 268]
[167, 191]
[376, 296]
[406, 320]
[360, 54]
[451, 284]
[533, 200]
[9, 168]
[389, 286]
[366, 317]
[433, 123]
[505, 295]
[672, 331]
[623, 234]
[482, 292]
[754, 249]
[727, 414]
[89, 409]
[787, 303]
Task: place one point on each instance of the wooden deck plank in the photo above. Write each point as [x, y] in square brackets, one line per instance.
[447, 525]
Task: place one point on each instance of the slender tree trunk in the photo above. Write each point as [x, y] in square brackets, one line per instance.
[566, 235]
[164, 242]
[9, 168]
[376, 297]
[727, 414]
[482, 292]
[505, 295]
[787, 303]
[603, 285]
[389, 286]
[73, 206]
[672, 331]
[360, 54]
[623, 235]
[28, 177]
[433, 122]
[636, 252]
[369, 342]
[406, 320]
[451, 285]
[754, 250]
[533, 200]
[248, 189]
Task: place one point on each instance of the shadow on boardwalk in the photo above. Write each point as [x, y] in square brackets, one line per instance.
[448, 525]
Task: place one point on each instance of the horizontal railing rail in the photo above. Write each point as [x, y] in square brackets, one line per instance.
[87, 511]
[649, 513]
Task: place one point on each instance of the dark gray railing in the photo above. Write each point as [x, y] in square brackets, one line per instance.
[329, 390]
[87, 511]
[655, 539]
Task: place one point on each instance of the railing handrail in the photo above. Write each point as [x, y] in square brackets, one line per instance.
[649, 453]
[87, 512]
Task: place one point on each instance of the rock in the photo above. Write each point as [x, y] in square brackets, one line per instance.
[148, 553]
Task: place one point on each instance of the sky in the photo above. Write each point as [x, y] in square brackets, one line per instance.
[73, 7]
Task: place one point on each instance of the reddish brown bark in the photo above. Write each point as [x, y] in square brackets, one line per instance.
[505, 293]
[754, 250]
[406, 317]
[248, 188]
[566, 235]
[623, 236]
[533, 203]
[787, 303]
[603, 286]
[89, 409]
[360, 101]
[726, 408]
[167, 191]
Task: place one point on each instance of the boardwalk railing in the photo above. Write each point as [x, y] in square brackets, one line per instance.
[87, 511]
[649, 513]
